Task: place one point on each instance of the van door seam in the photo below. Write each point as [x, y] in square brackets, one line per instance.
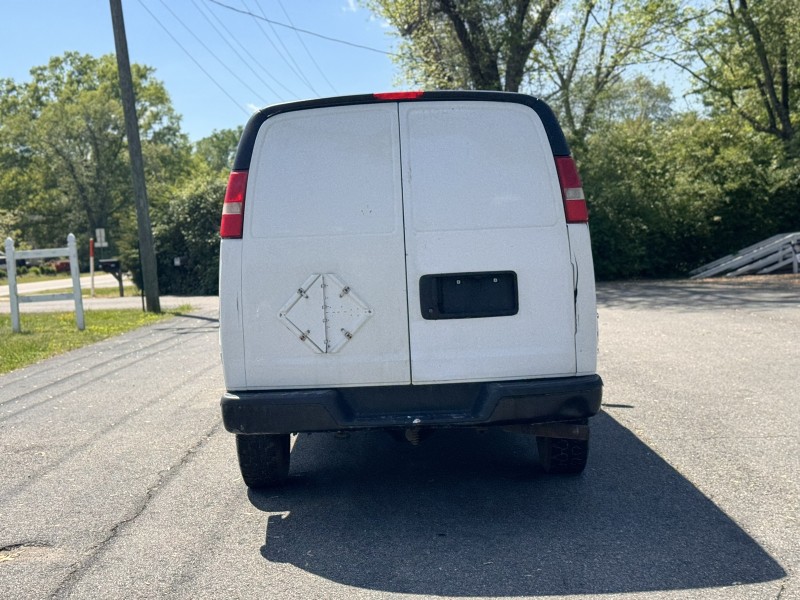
[573, 259]
[405, 242]
[575, 302]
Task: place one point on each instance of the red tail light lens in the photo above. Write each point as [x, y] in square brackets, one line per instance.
[571, 190]
[398, 95]
[233, 208]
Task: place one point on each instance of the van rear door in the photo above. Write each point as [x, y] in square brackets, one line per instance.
[490, 281]
[323, 259]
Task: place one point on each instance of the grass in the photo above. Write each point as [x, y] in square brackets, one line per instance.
[34, 277]
[110, 292]
[48, 334]
[131, 291]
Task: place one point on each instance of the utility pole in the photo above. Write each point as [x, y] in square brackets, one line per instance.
[146, 248]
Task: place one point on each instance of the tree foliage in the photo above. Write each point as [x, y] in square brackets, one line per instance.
[586, 51]
[63, 152]
[744, 57]
[215, 152]
[668, 196]
[480, 44]
[186, 228]
[569, 52]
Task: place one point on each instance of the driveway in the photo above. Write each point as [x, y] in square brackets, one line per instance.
[118, 479]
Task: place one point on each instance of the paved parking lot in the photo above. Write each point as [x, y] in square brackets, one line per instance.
[119, 481]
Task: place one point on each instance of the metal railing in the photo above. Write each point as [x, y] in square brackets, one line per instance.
[766, 256]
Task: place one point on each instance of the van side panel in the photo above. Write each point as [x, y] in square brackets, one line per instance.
[231, 329]
[585, 300]
[324, 198]
[481, 195]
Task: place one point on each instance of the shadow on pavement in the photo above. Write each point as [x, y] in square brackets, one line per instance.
[199, 317]
[750, 293]
[466, 514]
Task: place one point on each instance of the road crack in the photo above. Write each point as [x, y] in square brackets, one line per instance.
[76, 569]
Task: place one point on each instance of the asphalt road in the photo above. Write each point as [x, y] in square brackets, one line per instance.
[118, 480]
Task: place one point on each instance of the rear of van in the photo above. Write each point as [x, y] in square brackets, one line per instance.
[406, 261]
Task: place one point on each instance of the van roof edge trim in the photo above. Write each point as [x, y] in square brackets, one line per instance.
[555, 135]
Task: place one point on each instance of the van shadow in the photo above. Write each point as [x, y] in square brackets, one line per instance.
[466, 514]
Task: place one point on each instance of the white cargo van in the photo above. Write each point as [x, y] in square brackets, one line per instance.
[406, 261]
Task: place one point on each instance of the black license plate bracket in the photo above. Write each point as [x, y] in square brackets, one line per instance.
[468, 295]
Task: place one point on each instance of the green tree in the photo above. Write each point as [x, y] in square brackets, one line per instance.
[586, 51]
[744, 57]
[480, 44]
[637, 99]
[215, 152]
[62, 148]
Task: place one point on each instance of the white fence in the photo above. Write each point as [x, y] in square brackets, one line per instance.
[70, 252]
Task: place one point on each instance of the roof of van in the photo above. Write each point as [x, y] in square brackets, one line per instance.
[555, 135]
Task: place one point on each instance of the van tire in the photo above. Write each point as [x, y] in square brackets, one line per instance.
[263, 459]
[560, 456]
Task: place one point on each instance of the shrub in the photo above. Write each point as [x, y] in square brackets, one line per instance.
[186, 228]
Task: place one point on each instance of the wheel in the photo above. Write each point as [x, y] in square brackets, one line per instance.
[562, 456]
[263, 459]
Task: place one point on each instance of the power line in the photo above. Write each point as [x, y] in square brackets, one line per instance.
[255, 61]
[236, 52]
[306, 31]
[288, 52]
[275, 47]
[311, 56]
[211, 52]
[193, 59]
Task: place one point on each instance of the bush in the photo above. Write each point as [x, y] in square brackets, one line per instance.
[666, 198]
[186, 228]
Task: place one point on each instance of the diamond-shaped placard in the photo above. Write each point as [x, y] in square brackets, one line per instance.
[304, 313]
[345, 312]
[324, 313]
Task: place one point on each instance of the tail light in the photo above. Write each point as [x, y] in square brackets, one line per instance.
[571, 190]
[233, 208]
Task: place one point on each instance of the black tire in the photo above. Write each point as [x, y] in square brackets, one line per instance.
[560, 456]
[263, 459]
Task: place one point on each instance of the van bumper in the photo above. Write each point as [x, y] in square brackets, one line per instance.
[442, 405]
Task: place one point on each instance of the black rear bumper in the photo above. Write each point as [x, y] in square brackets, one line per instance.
[442, 405]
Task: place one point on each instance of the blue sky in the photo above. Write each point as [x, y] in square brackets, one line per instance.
[272, 64]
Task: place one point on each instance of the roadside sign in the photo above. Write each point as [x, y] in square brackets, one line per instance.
[100, 238]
